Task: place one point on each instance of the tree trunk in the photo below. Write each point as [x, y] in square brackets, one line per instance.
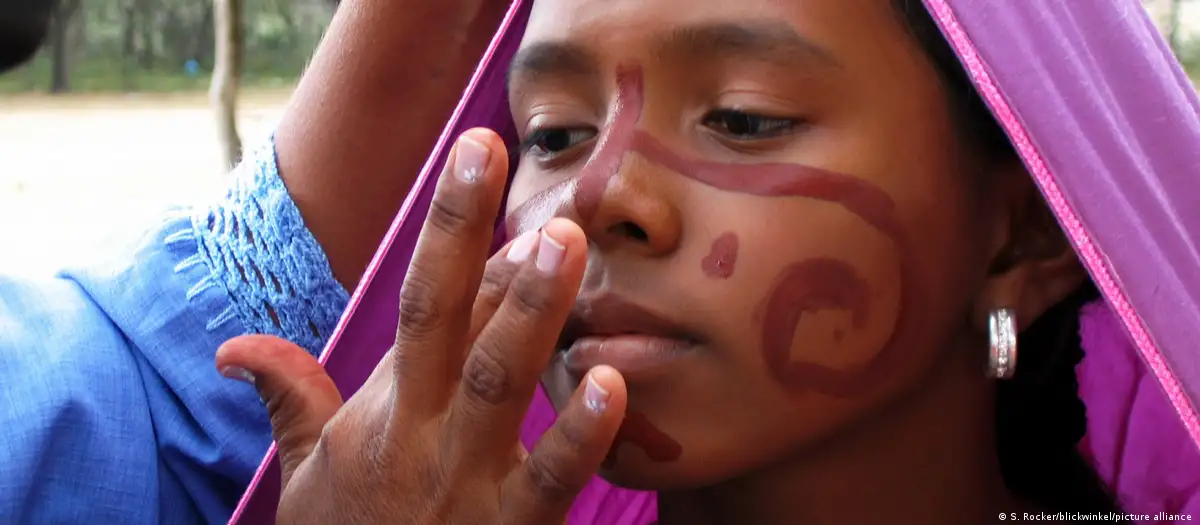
[227, 76]
[60, 58]
[1173, 20]
[128, 30]
[129, 36]
[148, 24]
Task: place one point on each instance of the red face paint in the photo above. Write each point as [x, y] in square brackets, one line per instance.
[614, 141]
[604, 163]
[721, 258]
[807, 286]
[640, 432]
[539, 209]
[778, 180]
[803, 287]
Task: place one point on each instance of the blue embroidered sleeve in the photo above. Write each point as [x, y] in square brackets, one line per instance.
[111, 409]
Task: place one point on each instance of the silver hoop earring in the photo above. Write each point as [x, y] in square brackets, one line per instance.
[1002, 335]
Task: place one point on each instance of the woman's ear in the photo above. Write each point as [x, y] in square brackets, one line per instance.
[1033, 266]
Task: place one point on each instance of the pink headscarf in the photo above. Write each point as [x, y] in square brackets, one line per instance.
[1108, 125]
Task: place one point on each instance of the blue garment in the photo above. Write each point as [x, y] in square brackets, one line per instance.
[111, 410]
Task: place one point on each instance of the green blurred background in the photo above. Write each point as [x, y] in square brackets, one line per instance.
[168, 45]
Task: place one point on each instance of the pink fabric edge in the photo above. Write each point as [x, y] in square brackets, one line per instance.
[1095, 263]
[422, 179]
[381, 252]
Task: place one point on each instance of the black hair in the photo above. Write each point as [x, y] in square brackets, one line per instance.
[24, 25]
[1039, 416]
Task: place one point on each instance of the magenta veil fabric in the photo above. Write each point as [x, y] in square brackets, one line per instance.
[1109, 127]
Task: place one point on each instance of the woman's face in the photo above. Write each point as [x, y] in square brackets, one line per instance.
[784, 235]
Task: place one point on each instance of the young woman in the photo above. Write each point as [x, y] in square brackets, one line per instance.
[792, 249]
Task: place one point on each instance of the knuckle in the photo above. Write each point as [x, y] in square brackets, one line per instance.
[420, 312]
[575, 433]
[335, 432]
[547, 480]
[285, 409]
[532, 297]
[339, 446]
[496, 278]
[451, 214]
[405, 360]
[485, 377]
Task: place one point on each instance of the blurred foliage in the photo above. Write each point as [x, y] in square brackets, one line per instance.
[167, 45]
[1189, 54]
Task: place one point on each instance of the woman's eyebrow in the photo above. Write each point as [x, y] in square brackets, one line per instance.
[551, 58]
[770, 41]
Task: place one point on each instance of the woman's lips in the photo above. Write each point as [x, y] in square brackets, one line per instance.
[638, 357]
[608, 330]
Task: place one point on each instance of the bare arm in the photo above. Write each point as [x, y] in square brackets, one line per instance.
[368, 111]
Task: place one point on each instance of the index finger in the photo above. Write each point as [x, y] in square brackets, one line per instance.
[439, 289]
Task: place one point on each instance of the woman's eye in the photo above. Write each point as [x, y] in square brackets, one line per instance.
[547, 143]
[738, 125]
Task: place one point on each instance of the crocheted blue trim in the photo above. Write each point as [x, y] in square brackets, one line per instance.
[258, 249]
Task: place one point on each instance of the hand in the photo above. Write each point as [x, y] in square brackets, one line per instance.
[432, 437]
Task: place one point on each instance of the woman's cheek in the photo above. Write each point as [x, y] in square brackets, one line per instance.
[826, 301]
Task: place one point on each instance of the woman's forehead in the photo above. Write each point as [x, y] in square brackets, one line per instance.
[752, 39]
[604, 30]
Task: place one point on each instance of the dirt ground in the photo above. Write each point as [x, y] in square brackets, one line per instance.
[74, 170]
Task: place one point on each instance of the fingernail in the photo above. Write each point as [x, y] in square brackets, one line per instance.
[239, 374]
[523, 247]
[550, 255]
[595, 397]
[470, 159]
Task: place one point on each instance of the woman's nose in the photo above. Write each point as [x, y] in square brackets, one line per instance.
[634, 213]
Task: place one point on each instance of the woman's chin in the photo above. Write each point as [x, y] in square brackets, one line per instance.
[640, 473]
[642, 457]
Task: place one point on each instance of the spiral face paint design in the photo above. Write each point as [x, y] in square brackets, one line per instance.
[811, 285]
[803, 287]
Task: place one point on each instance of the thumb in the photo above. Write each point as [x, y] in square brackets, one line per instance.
[299, 395]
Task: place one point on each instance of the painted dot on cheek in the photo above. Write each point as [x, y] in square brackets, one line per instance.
[721, 259]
